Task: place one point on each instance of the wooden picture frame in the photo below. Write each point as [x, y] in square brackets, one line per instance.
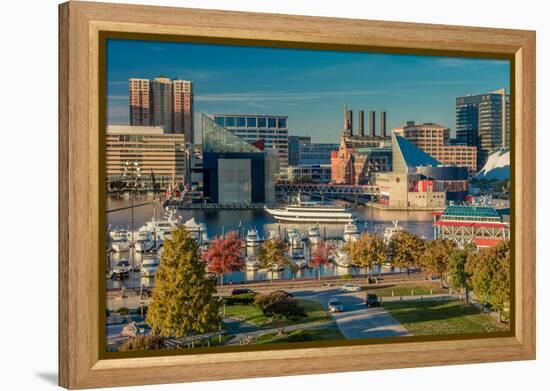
[81, 25]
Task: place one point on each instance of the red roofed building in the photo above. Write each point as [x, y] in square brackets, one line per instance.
[477, 224]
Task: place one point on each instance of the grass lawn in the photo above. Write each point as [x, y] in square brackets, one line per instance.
[419, 289]
[448, 317]
[251, 313]
[325, 334]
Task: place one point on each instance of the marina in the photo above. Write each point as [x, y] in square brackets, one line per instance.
[152, 225]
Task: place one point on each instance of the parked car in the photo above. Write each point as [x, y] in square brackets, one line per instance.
[241, 291]
[350, 288]
[284, 293]
[372, 300]
[335, 305]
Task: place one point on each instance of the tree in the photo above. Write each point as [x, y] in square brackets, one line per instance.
[434, 258]
[273, 253]
[321, 255]
[405, 249]
[182, 300]
[142, 342]
[224, 255]
[457, 275]
[490, 276]
[368, 250]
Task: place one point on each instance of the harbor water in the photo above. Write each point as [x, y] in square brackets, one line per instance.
[218, 222]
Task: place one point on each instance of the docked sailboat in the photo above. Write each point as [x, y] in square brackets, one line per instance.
[311, 212]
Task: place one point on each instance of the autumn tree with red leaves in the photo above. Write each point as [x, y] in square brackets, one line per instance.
[224, 255]
[321, 255]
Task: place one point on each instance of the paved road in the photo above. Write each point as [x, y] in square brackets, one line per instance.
[358, 321]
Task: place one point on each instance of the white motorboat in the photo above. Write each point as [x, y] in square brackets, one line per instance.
[299, 261]
[122, 268]
[351, 232]
[392, 230]
[252, 242]
[294, 238]
[120, 245]
[311, 212]
[251, 263]
[197, 230]
[149, 267]
[274, 235]
[117, 234]
[144, 243]
[314, 234]
[342, 259]
[161, 230]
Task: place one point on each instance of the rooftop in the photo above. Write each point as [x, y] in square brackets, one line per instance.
[412, 155]
[471, 211]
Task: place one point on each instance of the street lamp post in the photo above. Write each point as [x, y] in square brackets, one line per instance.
[133, 174]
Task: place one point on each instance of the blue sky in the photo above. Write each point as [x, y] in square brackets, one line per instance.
[310, 86]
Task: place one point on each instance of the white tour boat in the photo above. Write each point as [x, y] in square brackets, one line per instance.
[311, 212]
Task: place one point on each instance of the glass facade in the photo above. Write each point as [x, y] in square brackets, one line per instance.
[216, 138]
[234, 181]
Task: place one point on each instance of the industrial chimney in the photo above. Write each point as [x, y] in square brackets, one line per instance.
[362, 123]
[383, 123]
[372, 123]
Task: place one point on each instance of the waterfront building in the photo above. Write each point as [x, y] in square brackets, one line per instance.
[140, 102]
[235, 171]
[359, 156]
[161, 91]
[483, 121]
[308, 173]
[272, 129]
[160, 155]
[184, 109]
[195, 178]
[477, 224]
[434, 139]
[163, 102]
[301, 151]
[294, 143]
[417, 180]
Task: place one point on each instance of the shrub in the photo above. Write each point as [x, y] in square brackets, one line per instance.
[245, 299]
[346, 276]
[278, 305]
[142, 342]
[299, 336]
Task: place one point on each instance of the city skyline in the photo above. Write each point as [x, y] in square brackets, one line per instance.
[309, 86]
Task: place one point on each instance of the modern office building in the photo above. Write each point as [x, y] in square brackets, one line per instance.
[294, 143]
[163, 102]
[235, 171]
[434, 139]
[272, 129]
[301, 151]
[483, 121]
[308, 173]
[418, 181]
[183, 121]
[140, 102]
[158, 155]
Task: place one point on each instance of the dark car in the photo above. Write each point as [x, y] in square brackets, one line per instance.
[372, 300]
[241, 291]
[283, 293]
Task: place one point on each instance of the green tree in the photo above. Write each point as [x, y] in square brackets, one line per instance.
[435, 257]
[273, 253]
[368, 250]
[457, 275]
[279, 307]
[182, 300]
[405, 249]
[490, 276]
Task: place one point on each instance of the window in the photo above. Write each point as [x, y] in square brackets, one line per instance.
[282, 123]
[241, 121]
[251, 122]
[261, 122]
[229, 121]
[272, 122]
[219, 120]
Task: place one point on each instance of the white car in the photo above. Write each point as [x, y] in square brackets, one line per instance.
[350, 288]
[335, 305]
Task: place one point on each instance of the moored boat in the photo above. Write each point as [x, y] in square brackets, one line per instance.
[312, 212]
